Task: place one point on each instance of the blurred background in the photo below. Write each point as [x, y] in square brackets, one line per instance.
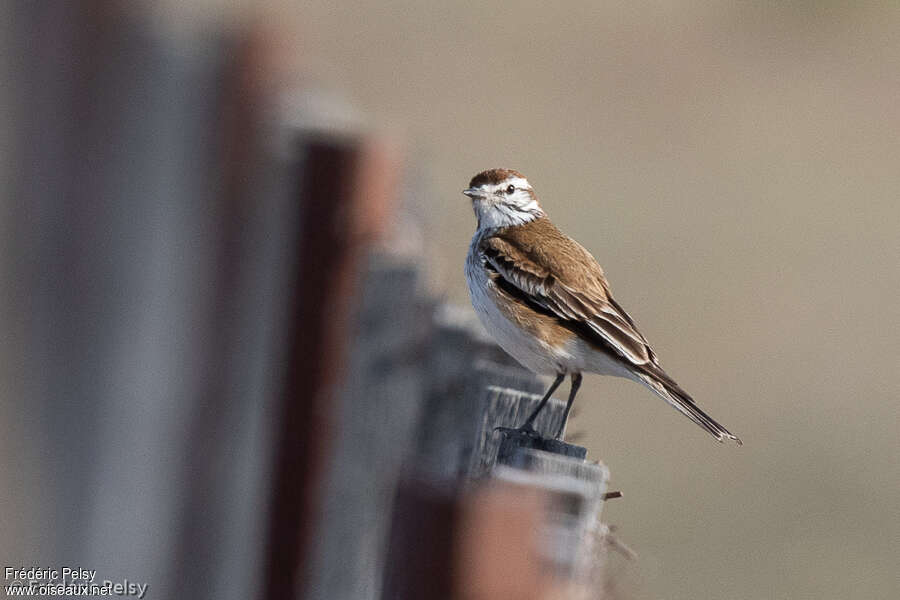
[733, 166]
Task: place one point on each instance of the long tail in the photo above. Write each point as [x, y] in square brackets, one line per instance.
[665, 387]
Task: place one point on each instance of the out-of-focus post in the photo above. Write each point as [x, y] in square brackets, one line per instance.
[344, 203]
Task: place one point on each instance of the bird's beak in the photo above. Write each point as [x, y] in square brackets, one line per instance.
[473, 193]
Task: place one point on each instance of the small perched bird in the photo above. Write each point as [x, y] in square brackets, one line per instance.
[545, 300]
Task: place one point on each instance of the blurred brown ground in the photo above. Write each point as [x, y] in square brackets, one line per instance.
[735, 170]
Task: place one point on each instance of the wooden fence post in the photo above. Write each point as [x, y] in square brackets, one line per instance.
[504, 407]
[336, 230]
[573, 487]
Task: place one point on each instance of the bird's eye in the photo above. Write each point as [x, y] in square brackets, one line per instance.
[510, 189]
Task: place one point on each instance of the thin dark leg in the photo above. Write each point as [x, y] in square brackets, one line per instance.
[530, 421]
[576, 383]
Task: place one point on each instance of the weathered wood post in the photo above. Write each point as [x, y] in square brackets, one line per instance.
[463, 459]
[573, 488]
[575, 491]
[340, 217]
[508, 408]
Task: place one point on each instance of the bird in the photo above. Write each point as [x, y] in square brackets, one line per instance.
[546, 301]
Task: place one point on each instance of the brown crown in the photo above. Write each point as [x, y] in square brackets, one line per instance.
[493, 177]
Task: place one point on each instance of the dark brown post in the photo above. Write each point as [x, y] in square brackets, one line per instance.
[342, 209]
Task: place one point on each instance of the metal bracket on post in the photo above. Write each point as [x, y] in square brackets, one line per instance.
[513, 440]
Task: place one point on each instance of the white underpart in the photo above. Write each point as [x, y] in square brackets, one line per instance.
[527, 349]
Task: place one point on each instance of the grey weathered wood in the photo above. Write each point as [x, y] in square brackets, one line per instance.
[572, 541]
[379, 407]
[461, 365]
[503, 407]
[144, 273]
[574, 488]
[539, 462]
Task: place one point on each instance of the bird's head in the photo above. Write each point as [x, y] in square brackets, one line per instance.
[502, 198]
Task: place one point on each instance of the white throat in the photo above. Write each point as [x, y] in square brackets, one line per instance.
[494, 216]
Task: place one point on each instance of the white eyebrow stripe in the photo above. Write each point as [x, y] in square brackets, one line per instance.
[519, 182]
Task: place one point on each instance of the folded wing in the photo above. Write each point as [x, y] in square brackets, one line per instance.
[576, 292]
